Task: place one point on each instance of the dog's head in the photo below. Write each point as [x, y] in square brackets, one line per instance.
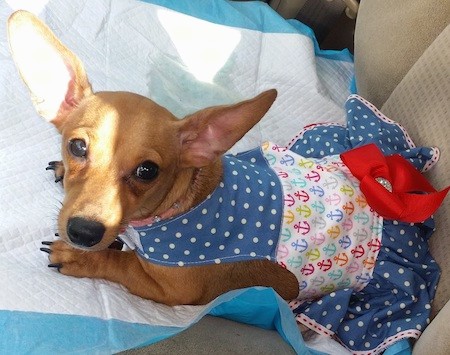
[125, 157]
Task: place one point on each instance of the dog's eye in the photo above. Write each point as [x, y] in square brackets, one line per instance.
[77, 147]
[146, 171]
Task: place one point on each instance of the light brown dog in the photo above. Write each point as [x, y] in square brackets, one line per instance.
[126, 158]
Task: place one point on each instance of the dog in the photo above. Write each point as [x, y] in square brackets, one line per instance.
[166, 161]
[132, 169]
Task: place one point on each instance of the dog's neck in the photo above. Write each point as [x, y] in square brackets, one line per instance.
[201, 182]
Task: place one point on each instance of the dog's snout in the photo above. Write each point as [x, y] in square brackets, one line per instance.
[85, 232]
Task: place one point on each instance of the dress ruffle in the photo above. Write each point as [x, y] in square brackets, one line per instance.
[365, 125]
[396, 301]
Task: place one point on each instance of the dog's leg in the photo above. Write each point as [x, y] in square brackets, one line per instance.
[109, 264]
[165, 284]
[58, 168]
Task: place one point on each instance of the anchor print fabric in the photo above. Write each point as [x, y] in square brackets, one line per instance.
[330, 238]
[395, 303]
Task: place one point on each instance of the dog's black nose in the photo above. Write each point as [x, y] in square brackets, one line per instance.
[85, 232]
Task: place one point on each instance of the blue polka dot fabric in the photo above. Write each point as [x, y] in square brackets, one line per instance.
[395, 304]
[240, 220]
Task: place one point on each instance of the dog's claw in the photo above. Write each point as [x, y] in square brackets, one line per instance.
[58, 168]
[56, 234]
[46, 250]
[46, 242]
[57, 266]
[52, 165]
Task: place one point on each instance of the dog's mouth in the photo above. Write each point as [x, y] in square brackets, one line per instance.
[172, 211]
[143, 222]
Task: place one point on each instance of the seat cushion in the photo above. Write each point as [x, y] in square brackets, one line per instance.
[421, 103]
[390, 36]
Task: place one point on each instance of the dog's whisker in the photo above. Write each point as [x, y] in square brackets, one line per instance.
[53, 216]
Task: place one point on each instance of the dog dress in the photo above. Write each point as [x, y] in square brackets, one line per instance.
[365, 280]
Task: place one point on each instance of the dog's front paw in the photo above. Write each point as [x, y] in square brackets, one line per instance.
[58, 168]
[70, 261]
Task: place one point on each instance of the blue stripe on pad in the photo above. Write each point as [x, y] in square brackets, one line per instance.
[43, 333]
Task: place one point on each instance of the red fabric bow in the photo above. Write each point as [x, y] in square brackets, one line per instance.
[412, 199]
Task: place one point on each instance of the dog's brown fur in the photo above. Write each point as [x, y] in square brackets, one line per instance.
[121, 131]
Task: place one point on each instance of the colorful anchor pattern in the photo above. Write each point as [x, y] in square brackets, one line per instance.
[329, 238]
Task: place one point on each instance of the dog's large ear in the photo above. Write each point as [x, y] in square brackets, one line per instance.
[209, 133]
[54, 75]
